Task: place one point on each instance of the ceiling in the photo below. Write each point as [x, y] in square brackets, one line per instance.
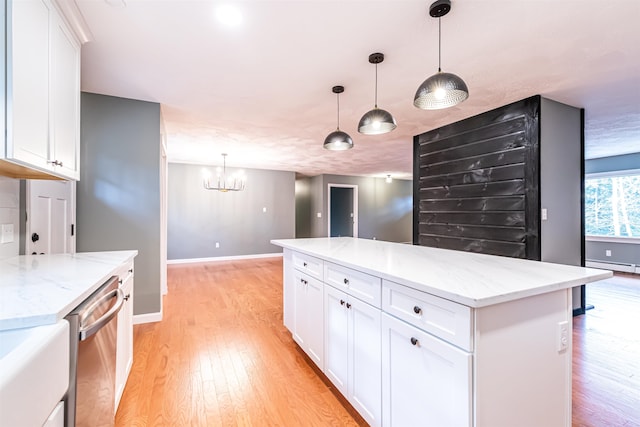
[261, 90]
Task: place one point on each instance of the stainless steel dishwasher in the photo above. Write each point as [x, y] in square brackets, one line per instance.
[91, 394]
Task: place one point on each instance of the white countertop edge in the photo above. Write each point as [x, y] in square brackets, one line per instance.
[595, 275]
[112, 260]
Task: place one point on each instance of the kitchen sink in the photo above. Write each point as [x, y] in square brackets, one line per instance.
[34, 373]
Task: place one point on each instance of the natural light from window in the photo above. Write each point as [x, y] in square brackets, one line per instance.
[612, 205]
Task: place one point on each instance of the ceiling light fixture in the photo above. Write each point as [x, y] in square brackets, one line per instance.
[338, 140]
[388, 179]
[235, 182]
[376, 121]
[442, 90]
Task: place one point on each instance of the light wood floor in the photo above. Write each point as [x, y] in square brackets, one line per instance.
[221, 356]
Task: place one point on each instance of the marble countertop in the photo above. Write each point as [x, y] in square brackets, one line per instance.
[39, 290]
[475, 280]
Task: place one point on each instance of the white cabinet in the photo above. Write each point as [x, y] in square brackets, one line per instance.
[288, 291]
[352, 351]
[56, 418]
[42, 91]
[425, 381]
[308, 329]
[124, 346]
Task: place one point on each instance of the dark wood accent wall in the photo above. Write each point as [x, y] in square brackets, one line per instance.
[476, 183]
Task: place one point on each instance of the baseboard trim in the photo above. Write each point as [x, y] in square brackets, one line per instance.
[223, 258]
[147, 318]
[626, 268]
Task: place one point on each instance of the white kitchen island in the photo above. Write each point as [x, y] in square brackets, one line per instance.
[418, 336]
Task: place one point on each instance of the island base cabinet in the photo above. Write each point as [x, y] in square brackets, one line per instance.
[425, 381]
[308, 327]
[353, 352]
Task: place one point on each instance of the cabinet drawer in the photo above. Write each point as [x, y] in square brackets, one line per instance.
[443, 318]
[360, 285]
[125, 272]
[310, 265]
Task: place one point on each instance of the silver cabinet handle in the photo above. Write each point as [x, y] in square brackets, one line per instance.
[55, 162]
[414, 341]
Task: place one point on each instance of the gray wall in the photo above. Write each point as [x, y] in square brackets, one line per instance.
[560, 183]
[118, 195]
[303, 207]
[624, 162]
[385, 211]
[198, 218]
[561, 235]
[626, 253]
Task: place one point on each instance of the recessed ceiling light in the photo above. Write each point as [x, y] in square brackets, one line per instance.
[229, 15]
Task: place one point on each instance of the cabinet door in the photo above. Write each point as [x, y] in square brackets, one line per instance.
[28, 82]
[124, 349]
[365, 360]
[309, 316]
[65, 100]
[336, 338]
[425, 381]
[288, 291]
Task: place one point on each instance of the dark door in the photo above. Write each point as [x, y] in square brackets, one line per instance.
[341, 220]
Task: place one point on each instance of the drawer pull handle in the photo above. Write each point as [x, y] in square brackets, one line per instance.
[303, 281]
[126, 297]
[346, 281]
[131, 270]
[417, 310]
[414, 341]
[348, 305]
[304, 264]
[341, 302]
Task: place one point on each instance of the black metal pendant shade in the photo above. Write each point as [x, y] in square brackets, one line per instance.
[442, 90]
[338, 140]
[376, 121]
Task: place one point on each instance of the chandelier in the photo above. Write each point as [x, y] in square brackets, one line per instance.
[222, 183]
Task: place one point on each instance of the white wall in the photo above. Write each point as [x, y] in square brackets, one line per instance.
[9, 213]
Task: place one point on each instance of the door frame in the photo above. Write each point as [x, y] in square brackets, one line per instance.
[355, 207]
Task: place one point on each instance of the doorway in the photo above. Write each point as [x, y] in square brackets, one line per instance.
[343, 210]
[50, 207]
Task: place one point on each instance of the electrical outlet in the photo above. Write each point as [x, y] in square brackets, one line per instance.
[217, 244]
[607, 252]
[544, 214]
[563, 336]
[319, 214]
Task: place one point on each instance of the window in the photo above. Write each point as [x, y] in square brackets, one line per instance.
[612, 205]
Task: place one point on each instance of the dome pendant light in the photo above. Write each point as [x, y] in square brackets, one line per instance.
[442, 90]
[338, 140]
[376, 121]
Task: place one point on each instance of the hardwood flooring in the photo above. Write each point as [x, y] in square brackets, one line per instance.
[606, 355]
[221, 356]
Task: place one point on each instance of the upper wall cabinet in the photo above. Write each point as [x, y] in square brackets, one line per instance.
[43, 93]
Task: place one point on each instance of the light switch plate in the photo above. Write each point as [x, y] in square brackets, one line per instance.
[6, 234]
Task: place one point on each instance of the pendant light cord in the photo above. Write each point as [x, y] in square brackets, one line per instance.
[439, 43]
[376, 101]
[338, 101]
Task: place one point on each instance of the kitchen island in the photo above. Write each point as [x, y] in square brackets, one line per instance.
[414, 335]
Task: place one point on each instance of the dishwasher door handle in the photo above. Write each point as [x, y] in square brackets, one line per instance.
[90, 330]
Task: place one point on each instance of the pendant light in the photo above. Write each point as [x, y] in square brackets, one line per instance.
[338, 140]
[442, 90]
[224, 183]
[376, 121]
